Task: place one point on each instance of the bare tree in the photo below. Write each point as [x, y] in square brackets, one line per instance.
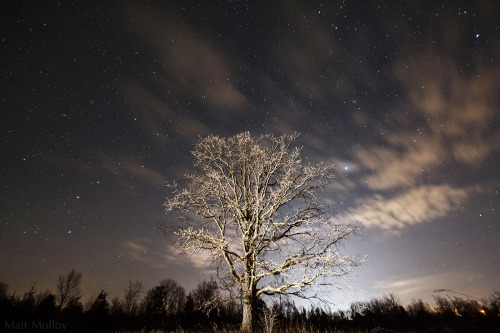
[173, 296]
[132, 292]
[253, 204]
[164, 301]
[206, 297]
[68, 288]
[269, 319]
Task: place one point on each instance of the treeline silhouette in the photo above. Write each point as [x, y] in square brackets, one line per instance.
[167, 307]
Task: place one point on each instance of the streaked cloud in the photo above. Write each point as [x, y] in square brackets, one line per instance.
[129, 172]
[458, 100]
[422, 286]
[144, 251]
[417, 205]
[192, 63]
[394, 167]
[453, 123]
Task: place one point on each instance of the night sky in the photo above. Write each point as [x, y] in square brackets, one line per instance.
[102, 103]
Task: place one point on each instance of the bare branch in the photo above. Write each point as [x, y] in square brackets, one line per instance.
[252, 204]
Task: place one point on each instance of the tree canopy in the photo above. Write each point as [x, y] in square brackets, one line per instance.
[253, 204]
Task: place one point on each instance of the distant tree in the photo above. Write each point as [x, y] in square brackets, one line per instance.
[253, 204]
[101, 303]
[444, 307]
[418, 309]
[357, 311]
[5, 304]
[189, 305]
[269, 320]
[73, 312]
[386, 312]
[118, 318]
[469, 307]
[132, 293]
[3, 290]
[206, 297]
[68, 288]
[494, 304]
[99, 311]
[153, 306]
[163, 301]
[45, 306]
[173, 296]
[26, 307]
[116, 307]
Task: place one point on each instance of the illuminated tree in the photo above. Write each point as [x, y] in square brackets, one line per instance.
[253, 205]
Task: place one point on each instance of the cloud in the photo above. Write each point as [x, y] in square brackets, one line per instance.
[458, 99]
[145, 175]
[393, 167]
[417, 205]
[421, 287]
[160, 120]
[129, 172]
[69, 163]
[139, 251]
[453, 128]
[457, 122]
[142, 250]
[192, 63]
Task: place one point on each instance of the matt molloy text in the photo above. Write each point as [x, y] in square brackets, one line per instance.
[35, 325]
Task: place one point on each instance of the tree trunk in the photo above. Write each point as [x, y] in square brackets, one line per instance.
[248, 311]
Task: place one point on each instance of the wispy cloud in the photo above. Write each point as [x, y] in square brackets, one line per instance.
[417, 205]
[129, 172]
[423, 286]
[144, 251]
[458, 107]
[453, 127]
[192, 63]
[401, 164]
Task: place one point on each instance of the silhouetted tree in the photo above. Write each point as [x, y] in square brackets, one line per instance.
[3, 290]
[99, 311]
[466, 308]
[68, 288]
[118, 318]
[166, 307]
[189, 305]
[5, 305]
[163, 303]
[132, 293]
[206, 297]
[444, 307]
[26, 308]
[420, 313]
[153, 307]
[72, 313]
[386, 312]
[418, 309]
[494, 306]
[173, 296]
[357, 311]
[45, 306]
